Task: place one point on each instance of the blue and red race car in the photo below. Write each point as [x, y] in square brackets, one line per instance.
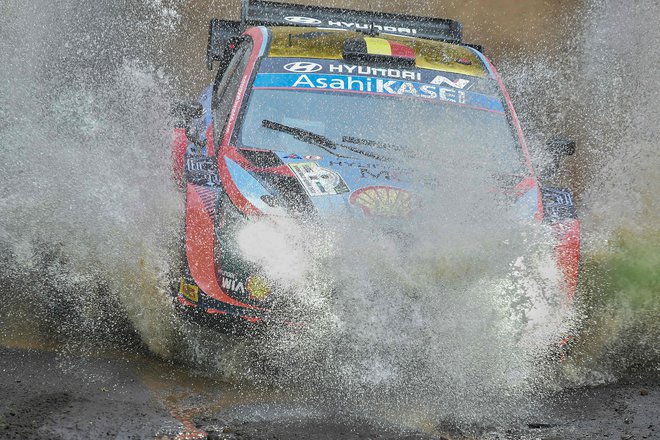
[296, 122]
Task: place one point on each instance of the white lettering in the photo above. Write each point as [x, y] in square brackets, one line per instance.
[428, 91]
[303, 79]
[336, 83]
[459, 83]
[352, 81]
[384, 86]
[407, 88]
[393, 73]
[401, 30]
[448, 95]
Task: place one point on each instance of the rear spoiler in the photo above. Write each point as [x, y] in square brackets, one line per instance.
[269, 13]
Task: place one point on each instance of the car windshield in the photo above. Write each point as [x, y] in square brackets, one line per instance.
[385, 125]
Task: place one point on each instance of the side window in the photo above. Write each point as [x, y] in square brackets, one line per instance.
[228, 86]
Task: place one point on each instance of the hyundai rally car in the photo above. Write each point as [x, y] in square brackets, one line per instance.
[273, 132]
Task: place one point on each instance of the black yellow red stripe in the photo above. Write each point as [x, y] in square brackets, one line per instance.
[381, 46]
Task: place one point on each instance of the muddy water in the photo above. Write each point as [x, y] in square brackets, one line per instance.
[88, 212]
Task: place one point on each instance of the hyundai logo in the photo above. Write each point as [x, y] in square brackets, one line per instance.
[303, 20]
[303, 67]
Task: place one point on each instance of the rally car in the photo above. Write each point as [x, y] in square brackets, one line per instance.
[271, 134]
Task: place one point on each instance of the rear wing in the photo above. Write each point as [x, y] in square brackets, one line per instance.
[269, 13]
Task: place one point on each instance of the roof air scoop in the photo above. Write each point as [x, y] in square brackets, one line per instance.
[371, 50]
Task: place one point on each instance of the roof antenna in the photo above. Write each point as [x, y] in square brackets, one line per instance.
[372, 30]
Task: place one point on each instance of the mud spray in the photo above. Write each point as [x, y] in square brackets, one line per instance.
[443, 320]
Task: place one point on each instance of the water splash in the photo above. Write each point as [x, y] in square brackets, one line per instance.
[598, 90]
[450, 315]
[88, 207]
[88, 212]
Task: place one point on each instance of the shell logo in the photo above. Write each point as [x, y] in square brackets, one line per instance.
[258, 287]
[383, 201]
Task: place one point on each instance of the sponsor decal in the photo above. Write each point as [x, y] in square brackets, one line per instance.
[464, 61]
[302, 20]
[346, 163]
[189, 291]
[351, 25]
[292, 156]
[459, 83]
[319, 181]
[383, 201]
[231, 284]
[367, 26]
[258, 287]
[374, 71]
[303, 67]
[374, 174]
[381, 86]
[312, 157]
[296, 65]
[557, 204]
[202, 170]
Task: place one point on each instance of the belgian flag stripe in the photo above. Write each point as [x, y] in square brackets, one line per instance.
[378, 46]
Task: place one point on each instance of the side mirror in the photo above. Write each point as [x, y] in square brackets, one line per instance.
[559, 148]
[221, 34]
[185, 112]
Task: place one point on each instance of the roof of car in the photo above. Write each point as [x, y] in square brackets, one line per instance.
[310, 42]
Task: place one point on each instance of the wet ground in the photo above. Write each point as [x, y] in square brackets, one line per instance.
[58, 395]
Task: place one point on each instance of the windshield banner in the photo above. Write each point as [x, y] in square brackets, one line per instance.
[378, 86]
[338, 67]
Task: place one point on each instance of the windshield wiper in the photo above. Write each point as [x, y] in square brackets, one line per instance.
[372, 143]
[319, 140]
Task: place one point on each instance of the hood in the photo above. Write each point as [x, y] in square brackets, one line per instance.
[343, 186]
[361, 186]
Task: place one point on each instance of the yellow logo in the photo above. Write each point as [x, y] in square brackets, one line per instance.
[258, 288]
[383, 201]
[189, 291]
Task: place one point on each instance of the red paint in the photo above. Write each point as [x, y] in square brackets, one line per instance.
[179, 147]
[200, 240]
[523, 145]
[257, 37]
[185, 302]
[251, 319]
[282, 170]
[210, 146]
[567, 254]
[224, 149]
[401, 50]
